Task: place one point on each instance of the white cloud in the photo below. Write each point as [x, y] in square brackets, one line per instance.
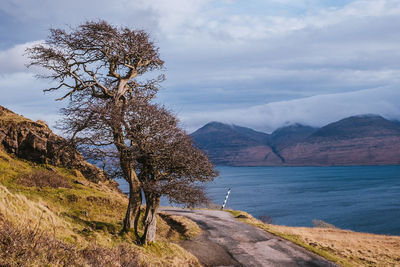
[194, 20]
[13, 60]
[315, 111]
[23, 93]
[225, 53]
[174, 15]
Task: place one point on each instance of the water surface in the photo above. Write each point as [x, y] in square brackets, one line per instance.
[361, 198]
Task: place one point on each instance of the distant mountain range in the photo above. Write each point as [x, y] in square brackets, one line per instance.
[357, 140]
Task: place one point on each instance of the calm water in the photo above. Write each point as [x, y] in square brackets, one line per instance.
[365, 198]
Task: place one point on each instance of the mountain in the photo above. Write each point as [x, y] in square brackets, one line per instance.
[357, 140]
[356, 127]
[289, 135]
[261, 138]
[234, 145]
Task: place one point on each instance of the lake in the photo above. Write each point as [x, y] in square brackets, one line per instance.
[358, 198]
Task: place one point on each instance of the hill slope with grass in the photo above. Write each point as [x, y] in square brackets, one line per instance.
[54, 215]
[57, 216]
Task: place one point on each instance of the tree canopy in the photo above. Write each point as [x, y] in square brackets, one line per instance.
[110, 116]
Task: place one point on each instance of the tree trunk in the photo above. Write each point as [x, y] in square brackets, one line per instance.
[135, 199]
[150, 218]
[136, 222]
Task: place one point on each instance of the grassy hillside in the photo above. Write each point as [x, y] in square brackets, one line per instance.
[54, 215]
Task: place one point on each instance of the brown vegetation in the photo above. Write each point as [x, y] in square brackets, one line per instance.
[322, 224]
[266, 219]
[43, 178]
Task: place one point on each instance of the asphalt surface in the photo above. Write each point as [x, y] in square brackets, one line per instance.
[226, 241]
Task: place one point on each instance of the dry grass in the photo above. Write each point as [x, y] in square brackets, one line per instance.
[28, 246]
[178, 227]
[343, 247]
[359, 249]
[80, 216]
[18, 208]
[10, 117]
[168, 254]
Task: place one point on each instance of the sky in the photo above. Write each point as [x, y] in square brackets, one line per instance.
[262, 64]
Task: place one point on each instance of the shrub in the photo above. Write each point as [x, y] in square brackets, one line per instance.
[72, 198]
[43, 178]
[322, 224]
[266, 219]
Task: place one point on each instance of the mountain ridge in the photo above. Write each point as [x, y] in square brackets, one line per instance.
[357, 140]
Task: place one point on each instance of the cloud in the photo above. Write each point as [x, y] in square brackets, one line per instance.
[13, 60]
[358, 50]
[315, 111]
[25, 20]
[23, 93]
[233, 55]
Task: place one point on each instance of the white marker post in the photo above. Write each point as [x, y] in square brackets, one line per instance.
[226, 199]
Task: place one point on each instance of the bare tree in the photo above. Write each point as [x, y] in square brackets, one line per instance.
[101, 70]
[167, 162]
[164, 157]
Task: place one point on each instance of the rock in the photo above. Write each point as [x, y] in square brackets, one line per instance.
[81, 183]
[34, 141]
[51, 169]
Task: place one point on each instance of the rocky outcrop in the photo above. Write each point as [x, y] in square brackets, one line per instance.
[34, 141]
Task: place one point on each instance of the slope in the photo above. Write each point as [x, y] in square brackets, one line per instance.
[55, 216]
[234, 145]
[357, 140]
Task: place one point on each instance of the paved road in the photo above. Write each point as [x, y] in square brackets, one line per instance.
[226, 241]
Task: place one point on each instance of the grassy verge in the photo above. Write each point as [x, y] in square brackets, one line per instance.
[343, 247]
[85, 218]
